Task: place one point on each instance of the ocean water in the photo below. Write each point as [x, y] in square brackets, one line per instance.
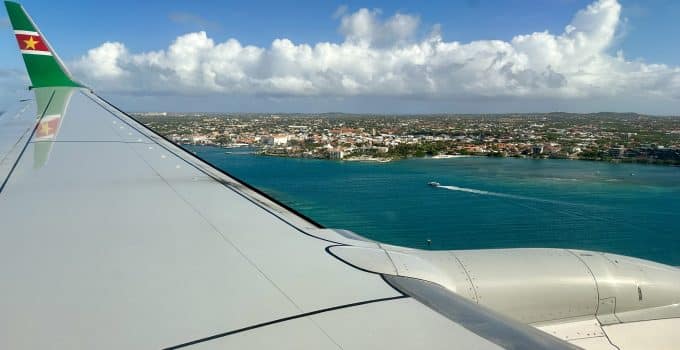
[482, 202]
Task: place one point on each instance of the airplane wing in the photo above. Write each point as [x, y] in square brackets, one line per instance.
[112, 237]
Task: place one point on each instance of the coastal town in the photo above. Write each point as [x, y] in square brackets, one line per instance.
[616, 137]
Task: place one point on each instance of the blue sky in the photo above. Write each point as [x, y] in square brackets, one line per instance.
[76, 26]
[644, 33]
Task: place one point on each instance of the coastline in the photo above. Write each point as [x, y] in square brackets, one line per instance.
[371, 159]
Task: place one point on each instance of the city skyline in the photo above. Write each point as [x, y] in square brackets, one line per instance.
[571, 56]
[609, 137]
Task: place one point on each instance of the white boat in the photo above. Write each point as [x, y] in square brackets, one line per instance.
[433, 184]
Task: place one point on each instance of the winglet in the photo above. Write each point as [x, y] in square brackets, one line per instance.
[43, 65]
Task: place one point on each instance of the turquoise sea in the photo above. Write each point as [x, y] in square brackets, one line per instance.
[483, 202]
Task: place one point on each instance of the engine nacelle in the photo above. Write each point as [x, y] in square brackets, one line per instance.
[537, 285]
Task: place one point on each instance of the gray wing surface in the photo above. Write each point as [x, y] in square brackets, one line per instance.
[118, 239]
[114, 238]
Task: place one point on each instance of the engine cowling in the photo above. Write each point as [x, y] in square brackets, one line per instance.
[535, 285]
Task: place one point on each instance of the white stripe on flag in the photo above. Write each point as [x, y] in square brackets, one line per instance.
[26, 32]
[49, 117]
[36, 52]
[45, 138]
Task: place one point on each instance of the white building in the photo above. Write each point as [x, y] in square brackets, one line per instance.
[275, 140]
[199, 139]
[280, 140]
[336, 153]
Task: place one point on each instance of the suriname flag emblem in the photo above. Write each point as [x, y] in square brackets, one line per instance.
[42, 63]
[31, 43]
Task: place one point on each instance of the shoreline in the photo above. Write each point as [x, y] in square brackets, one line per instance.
[371, 159]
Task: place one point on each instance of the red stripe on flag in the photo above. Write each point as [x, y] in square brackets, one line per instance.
[31, 42]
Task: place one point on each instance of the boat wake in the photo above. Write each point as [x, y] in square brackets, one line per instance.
[503, 195]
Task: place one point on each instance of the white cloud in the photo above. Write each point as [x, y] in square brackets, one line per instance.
[364, 28]
[102, 62]
[383, 57]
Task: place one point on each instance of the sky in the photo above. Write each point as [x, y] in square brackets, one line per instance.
[468, 56]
